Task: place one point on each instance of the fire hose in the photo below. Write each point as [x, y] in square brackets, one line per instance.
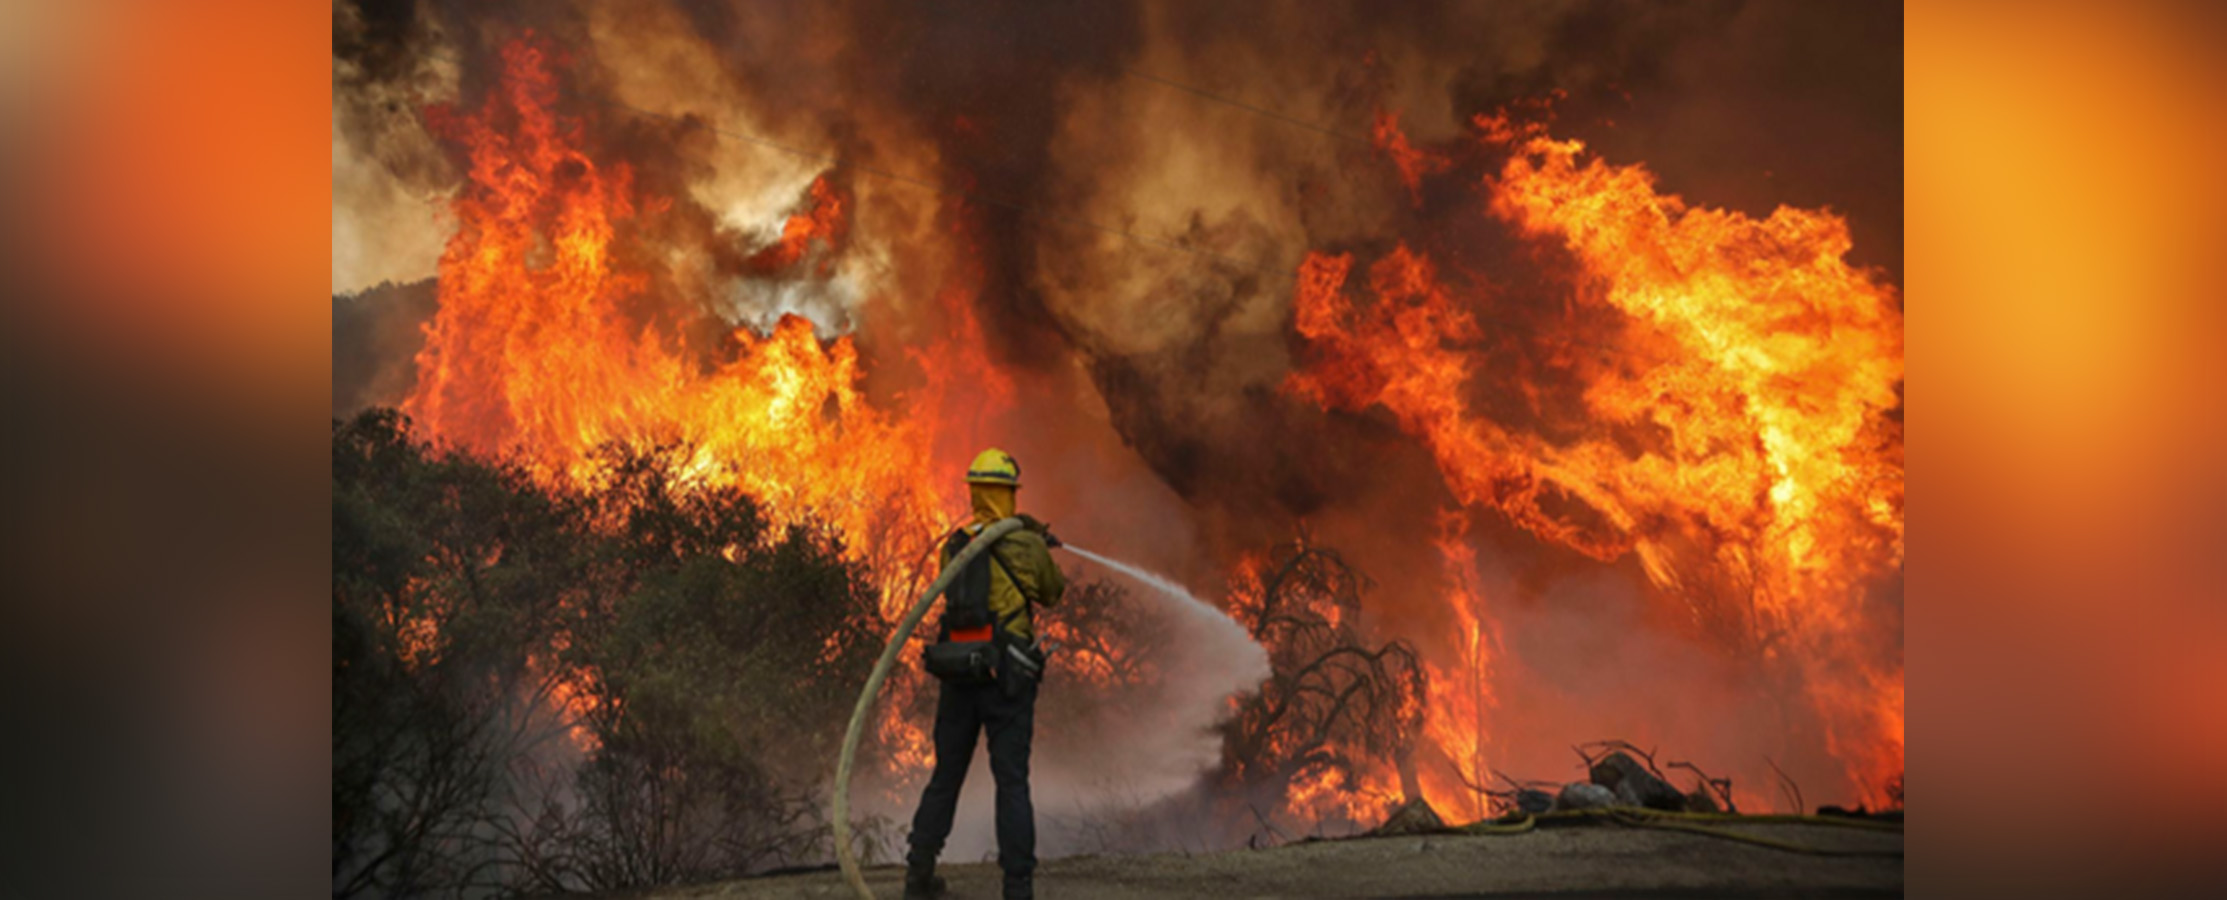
[951, 570]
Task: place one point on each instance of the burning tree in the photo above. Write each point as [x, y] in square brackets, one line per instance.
[1338, 712]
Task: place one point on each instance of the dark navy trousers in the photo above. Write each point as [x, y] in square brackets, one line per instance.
[962, 713]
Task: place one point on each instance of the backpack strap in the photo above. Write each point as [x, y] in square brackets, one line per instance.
[1028, 605]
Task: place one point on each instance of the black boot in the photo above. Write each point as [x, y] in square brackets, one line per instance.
[922, 883]
[1019, 887]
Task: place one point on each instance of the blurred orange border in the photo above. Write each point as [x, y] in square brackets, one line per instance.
[2067, 642]
[180, 185]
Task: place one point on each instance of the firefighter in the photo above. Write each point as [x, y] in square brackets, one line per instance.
[1020, 575]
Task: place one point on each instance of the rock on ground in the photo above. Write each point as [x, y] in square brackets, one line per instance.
[1581, 795]
[1634, 784]
[1413, 817]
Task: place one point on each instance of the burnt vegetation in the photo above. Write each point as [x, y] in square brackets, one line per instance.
[553, 686]
[541, 689]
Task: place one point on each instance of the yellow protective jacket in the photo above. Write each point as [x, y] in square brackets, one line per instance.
[1027, 572]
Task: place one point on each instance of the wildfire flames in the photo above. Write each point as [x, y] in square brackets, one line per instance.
[1737, 437]
[537, 345]
[1734, 431]
[549, 345]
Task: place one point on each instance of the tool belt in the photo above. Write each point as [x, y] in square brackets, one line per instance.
[1006, 663]
[962, 662]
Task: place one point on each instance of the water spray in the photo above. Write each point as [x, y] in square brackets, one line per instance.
[1199, 609]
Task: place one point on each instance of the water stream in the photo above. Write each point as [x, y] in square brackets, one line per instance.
[1226, 631]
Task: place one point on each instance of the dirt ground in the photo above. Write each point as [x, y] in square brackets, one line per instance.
[1562, 862]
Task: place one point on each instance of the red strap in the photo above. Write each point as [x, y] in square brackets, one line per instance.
[971, 634]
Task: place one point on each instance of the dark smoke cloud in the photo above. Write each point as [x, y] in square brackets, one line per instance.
[388, 59]
[988, 80]
[379, 39]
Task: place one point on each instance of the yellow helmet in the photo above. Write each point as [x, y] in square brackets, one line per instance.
[994, 466]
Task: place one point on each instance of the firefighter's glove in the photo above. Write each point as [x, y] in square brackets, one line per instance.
[1041, 527]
